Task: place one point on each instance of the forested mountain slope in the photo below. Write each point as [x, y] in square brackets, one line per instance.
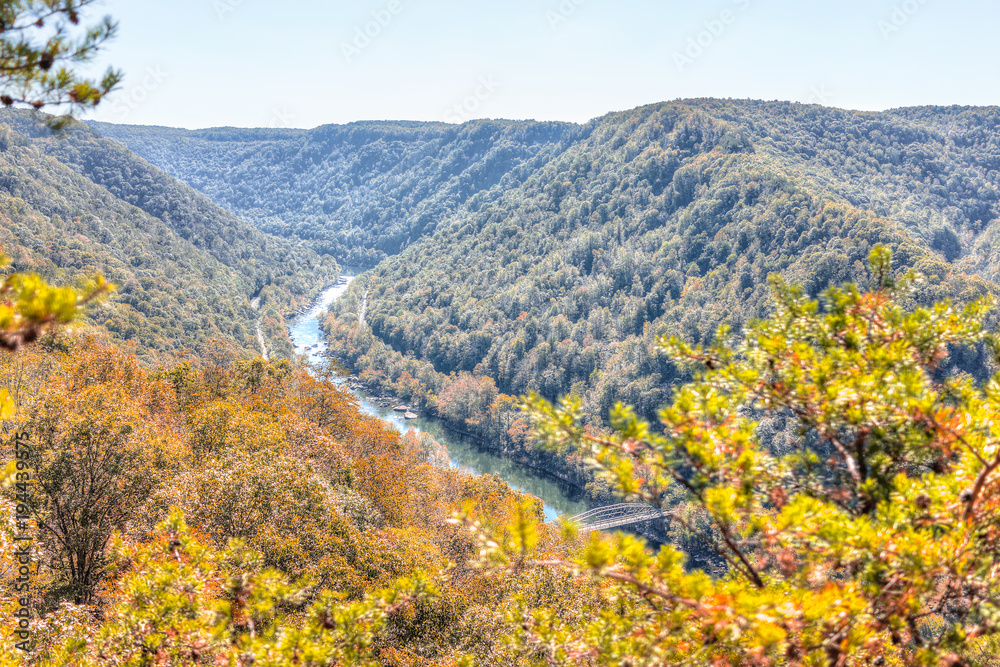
[359, 192]
[79, 204]
[367, 189]
[931, 169]
[559, 275]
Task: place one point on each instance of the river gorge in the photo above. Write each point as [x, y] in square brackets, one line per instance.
[464, 452]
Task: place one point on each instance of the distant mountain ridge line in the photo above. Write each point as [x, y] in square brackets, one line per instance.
[319, 201]
[299, 192]
[513, 121]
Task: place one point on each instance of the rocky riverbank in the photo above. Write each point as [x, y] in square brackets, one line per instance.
[381, 399]
[318, 299]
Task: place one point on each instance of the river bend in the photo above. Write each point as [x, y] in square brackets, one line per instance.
[464, 452]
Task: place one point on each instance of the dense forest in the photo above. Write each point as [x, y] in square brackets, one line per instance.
[380, 186]
[294, 503]
[75, 204]
[559, 275]
[361, 191]
[572, 279]
[804, 298]
[231, 510]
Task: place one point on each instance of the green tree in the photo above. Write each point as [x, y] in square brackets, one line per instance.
[873, 542]
[41, 45]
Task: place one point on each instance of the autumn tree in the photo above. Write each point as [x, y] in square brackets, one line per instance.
[103, 438]
[873, 541]
[324, 403]
[466, 399]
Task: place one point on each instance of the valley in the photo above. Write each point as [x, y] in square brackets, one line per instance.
[504, 258]
[469, 279]
[519, 381]
[186, 269]
[463, 452]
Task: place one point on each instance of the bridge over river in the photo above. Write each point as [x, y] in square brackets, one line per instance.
[616, 516]
[308, 338]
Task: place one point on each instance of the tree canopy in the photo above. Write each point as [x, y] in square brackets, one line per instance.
[871, 540]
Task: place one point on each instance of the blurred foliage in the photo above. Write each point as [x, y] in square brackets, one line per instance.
[42, 48]
[873, 542]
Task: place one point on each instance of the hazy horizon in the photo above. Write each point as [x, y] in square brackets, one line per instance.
[554, 120]
[261, 63]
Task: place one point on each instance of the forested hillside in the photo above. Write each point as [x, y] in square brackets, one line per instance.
[664, 220]
[297, 506]
[226, 510]
[77, 204]
[361, 191]
[382, 185]
[559, 276]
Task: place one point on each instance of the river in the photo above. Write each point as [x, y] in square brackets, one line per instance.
[465, 453]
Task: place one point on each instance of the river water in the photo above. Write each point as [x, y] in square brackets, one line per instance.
[464, 452]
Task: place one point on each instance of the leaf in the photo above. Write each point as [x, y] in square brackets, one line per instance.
[7, 407]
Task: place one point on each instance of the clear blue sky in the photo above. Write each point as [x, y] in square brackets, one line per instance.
[301, 63]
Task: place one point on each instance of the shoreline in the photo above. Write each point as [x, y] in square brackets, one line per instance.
[378, 396]
[646, 530]
[315, 301]
[572, 488]
[573, 485]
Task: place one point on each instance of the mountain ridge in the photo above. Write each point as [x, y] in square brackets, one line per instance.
[79, 204]
[665, 219]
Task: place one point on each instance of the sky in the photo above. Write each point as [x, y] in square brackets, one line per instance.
[304, 63]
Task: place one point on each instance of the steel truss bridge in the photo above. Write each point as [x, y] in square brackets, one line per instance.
[616, 516]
